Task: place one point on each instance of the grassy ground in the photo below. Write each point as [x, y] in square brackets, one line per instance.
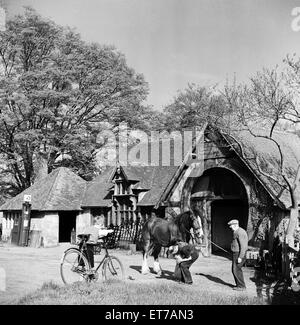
[28, 268]
[124, 293]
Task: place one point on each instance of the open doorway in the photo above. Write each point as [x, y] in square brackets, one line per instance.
[67, 222]
[219, 195]
[223, 211]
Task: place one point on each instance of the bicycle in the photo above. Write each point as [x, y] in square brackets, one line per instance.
[75, 265]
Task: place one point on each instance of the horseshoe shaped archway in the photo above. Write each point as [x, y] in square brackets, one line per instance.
[219, 195]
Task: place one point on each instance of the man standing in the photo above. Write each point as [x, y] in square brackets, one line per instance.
[239, 247]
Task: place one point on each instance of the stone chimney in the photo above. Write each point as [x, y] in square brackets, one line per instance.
[40, 166]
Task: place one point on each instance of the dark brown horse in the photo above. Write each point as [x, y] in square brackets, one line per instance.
[158, 233]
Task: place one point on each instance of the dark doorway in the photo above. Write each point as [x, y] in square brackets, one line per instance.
[16, 231]
[221, 212]
[67, 222]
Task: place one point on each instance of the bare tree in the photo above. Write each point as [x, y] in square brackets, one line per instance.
[268, 104]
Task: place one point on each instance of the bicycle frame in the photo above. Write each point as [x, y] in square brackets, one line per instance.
[111, 266]
[106, 255]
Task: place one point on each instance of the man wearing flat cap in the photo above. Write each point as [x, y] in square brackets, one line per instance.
[239, 247]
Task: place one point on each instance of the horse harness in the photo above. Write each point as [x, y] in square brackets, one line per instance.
[194, 241]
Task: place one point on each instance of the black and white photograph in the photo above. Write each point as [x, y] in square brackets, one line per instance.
[149, 155]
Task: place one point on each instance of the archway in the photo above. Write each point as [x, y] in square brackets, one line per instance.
[219, 196]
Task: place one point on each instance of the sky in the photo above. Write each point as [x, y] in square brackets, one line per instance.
[176, 42]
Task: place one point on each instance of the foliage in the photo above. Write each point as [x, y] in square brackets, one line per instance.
[124, 293]
[266, 102]
[263, 228]
[56, 91]
[269, 103]
[194, 106]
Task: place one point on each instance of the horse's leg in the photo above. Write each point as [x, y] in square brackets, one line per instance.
[145, 267]
[156, 266]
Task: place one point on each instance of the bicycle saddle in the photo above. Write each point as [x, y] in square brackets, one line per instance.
[84, 237]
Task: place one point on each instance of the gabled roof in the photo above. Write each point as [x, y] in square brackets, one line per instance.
[268, 155]
[156, 179]
[61, 190]
[153, 179]
[269, 160]
[97, 193]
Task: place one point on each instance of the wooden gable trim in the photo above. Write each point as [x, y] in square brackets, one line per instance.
[180, 170]
[112, 177]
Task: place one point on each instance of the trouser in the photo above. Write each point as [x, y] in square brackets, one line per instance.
[182, 270]
[89, 254]
[237, 270]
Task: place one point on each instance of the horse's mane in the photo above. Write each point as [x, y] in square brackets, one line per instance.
[182, 217]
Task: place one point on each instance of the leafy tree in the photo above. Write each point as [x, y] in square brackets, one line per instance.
[55, 92]
[194, 106]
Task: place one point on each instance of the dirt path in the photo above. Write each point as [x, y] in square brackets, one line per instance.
[28, 268]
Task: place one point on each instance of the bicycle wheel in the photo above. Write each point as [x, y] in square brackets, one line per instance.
[74, 266]
[113, 269]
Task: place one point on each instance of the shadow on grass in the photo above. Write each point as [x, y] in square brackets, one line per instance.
[216, 279]
[168, 275]
[138, 268]
[220, 253]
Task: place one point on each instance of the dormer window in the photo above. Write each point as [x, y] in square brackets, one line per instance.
[124, 206]
[122, 187]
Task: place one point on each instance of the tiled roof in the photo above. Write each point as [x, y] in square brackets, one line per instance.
[61, 190]
[154, 179]
[160, 178]
[97, 191]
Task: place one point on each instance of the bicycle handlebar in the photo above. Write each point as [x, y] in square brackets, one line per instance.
[85, 237]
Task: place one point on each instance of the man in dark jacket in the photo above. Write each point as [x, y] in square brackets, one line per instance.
[239, 247]
[185, 255]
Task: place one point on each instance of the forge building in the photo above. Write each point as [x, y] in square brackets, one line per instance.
[221, 179]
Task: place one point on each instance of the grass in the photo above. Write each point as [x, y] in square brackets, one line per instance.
[124, 293]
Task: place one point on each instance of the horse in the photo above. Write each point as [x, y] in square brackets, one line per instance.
[158, 232]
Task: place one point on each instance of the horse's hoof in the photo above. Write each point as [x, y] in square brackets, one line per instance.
[157, 271]
[145, 271]
[156, 268]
